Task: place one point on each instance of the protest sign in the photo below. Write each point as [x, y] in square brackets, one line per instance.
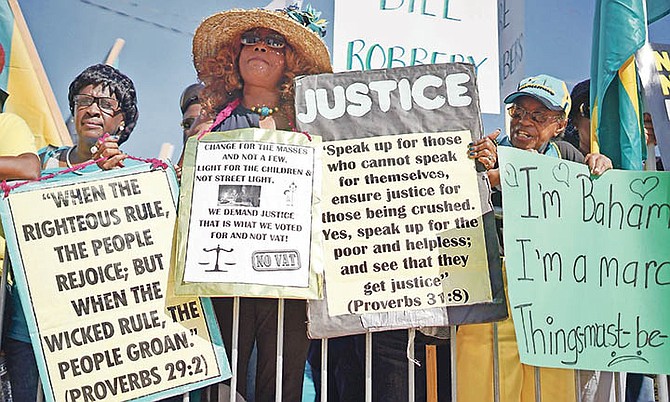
[91, 257]
[588, 266]
[385, 34]
[245, 215]
[402, 224]
[653, 62]
[403, 216]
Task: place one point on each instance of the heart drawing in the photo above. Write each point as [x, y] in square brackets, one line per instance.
[510, 176]
[642, 187]
[561, 173]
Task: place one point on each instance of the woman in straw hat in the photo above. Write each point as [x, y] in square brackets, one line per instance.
[247, 60]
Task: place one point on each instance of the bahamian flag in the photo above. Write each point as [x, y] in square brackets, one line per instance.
[619, 30]
[22, 75]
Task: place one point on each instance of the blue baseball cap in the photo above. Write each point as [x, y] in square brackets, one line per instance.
[552, 92]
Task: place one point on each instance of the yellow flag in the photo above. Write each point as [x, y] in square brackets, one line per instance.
[22, 75]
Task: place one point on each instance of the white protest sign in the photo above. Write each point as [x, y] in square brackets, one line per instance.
[246, 213]
[401, 33]
[402, 224]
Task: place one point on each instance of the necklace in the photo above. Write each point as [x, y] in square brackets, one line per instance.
[228, 110]
[264, 111]
[68, 162]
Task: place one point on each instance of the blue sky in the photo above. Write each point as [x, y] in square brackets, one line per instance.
[73, 34]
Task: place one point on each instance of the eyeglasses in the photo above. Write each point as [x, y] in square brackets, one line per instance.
[539, 117]
[107, 105]
[187, 123]
[274, 41]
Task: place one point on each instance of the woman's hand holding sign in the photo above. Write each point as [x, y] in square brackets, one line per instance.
[485, 150]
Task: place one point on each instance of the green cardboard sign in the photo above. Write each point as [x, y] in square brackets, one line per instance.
[588, 264]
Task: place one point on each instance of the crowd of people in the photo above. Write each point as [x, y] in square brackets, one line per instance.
[246, 61]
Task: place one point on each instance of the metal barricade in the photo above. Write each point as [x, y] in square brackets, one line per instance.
[618, 385]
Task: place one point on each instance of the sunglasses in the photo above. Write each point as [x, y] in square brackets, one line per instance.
[187, 123]
[539, 117]
[274, 41]
[107, 105]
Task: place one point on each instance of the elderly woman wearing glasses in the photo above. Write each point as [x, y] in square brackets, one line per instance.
[247, 60]
[539, 111]
[104, 106]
